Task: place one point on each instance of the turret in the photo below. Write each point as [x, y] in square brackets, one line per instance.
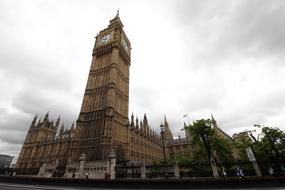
[72, 127]
[57, 122]
[214, 122]
[40, 120]
[34, 121]
[145, 122]
[50, 125]
[137, 123]
[61, 131]
[145, 125]
[141, 126]
[128, 123]
[132, 120]
[71, 130]
[46, 116]
[167, 133]
[165, 122]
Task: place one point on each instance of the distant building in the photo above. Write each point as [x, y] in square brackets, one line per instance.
[241, 137]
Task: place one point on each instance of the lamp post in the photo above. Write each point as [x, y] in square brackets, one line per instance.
[163, 147]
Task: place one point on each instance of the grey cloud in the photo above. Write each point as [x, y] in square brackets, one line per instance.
[255, 110]
[223, 29]
[13, 137]
[9, 148]
[143, 97]
[269, 104]
[44, 100]
[257, 24]
[14, 121]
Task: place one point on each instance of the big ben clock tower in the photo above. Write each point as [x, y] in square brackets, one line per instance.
[102, 122]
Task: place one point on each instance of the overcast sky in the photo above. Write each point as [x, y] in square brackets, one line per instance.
[199, 58]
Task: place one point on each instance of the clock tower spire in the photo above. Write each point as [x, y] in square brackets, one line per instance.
[102, 122]
[118, 11]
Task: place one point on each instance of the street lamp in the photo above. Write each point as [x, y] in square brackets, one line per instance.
[251, 135]
[163, 147]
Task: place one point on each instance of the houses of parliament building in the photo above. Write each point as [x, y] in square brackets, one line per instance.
[103, 134]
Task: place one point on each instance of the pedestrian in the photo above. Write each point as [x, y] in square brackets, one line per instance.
[237, 172]
[73, 174]
[106, 175]
[241, 172]
[271, 171]
[87, 175]
[109, 175]
[224, 172]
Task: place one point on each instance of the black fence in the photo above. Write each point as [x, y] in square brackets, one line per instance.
[58, 172]
[201, 170]
[19, 171]
[129, 171]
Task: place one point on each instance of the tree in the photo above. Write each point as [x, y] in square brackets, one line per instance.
[207, 144]
[271, 147]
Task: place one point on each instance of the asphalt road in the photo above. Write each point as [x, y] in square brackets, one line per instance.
[9, 186]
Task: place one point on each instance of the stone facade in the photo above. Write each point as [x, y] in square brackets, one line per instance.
[102, 126]
[46, 144]
[103, 134]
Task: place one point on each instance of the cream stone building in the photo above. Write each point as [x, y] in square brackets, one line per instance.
[103, 134]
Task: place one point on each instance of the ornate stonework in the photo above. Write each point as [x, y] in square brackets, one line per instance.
[103, 132]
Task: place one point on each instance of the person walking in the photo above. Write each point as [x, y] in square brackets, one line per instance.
[241, 172]
[237, 172]
[270, 171]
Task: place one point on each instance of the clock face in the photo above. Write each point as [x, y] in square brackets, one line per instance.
[125, 45]
[106, 38]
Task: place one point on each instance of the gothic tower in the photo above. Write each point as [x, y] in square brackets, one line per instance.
[103, 118]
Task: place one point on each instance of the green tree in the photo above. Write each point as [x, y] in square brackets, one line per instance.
[208, 146]
[271, 147]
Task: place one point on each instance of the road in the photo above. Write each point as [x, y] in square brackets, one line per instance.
[9, 186]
